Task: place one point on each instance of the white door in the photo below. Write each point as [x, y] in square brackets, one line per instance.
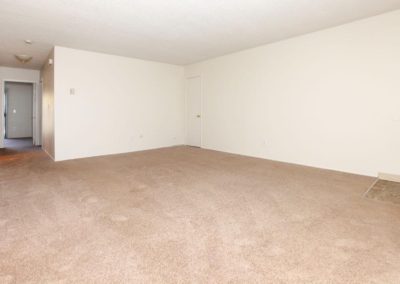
[193, 107]
[19, 108]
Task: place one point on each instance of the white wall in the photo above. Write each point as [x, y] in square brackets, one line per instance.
[120, 104]
[330, 99]
[21, 75]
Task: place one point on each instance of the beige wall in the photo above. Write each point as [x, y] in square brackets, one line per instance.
[330, 99]
[22, 75]
[47, 78]
[120, 104]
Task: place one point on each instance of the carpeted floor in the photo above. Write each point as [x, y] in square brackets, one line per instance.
[385, 191]
[187, 215]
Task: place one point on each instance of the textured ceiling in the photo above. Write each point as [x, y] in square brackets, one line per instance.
[173, 31]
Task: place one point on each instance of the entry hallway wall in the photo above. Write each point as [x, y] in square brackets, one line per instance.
[22, 75]
[47, 77]
[330, 99]
[119, 104]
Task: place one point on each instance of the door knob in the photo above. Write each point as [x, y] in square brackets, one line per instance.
[198, 116]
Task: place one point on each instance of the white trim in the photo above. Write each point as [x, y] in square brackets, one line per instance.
[369, 188]
[48, 154]
[389, 177]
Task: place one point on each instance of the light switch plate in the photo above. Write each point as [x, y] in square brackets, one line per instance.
[72, 91]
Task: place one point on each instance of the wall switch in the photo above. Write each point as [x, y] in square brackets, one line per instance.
[72, 91]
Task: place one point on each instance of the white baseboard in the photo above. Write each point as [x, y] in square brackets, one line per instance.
[48, 154]
[389, 177]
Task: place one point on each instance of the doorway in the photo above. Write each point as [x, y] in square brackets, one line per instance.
[18, 114]
[193, 111]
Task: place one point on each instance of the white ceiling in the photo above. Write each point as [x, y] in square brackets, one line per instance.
[173, 31]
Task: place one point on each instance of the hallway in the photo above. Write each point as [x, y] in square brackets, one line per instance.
[18, 143]
[18, 149]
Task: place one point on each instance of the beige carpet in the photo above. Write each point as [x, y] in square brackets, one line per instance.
[186, 215]
[385, 191]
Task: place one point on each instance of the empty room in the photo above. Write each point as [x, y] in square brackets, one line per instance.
[240, 141]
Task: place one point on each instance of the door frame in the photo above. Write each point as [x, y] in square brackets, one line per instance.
[201, 108]
[35, 108]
